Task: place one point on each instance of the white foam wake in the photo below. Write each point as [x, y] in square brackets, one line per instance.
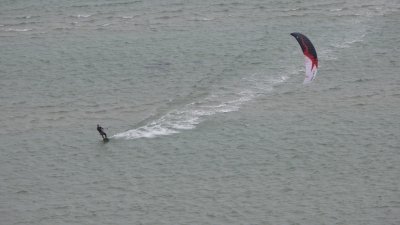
[194, 113]
[177, 120]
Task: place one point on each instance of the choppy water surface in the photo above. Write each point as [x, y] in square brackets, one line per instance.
[208, 118]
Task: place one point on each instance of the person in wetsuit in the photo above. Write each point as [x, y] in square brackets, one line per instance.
[101, 131]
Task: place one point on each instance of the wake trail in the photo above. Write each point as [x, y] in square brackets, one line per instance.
[187, 117]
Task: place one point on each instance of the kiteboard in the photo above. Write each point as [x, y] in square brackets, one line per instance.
[106, 139]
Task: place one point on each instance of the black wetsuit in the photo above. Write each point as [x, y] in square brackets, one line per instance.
[100, 129]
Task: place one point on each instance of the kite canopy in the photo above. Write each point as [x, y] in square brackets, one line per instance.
[310, 56]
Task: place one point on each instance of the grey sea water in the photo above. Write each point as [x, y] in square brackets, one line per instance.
[208, 120]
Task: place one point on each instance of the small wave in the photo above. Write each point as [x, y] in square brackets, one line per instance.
[335, 10]
[202, 19]
[326, 55]
[278, 80]
[347, 43]
[114, 4]
[83, 16]
[343, 45]
[22, 24]
[18, 30]
[127, 17]
[27, 17]
[362, 80]
[287, 10]
[81, 6]
[165, 17]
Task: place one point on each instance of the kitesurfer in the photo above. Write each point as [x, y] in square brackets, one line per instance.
[101, 131]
